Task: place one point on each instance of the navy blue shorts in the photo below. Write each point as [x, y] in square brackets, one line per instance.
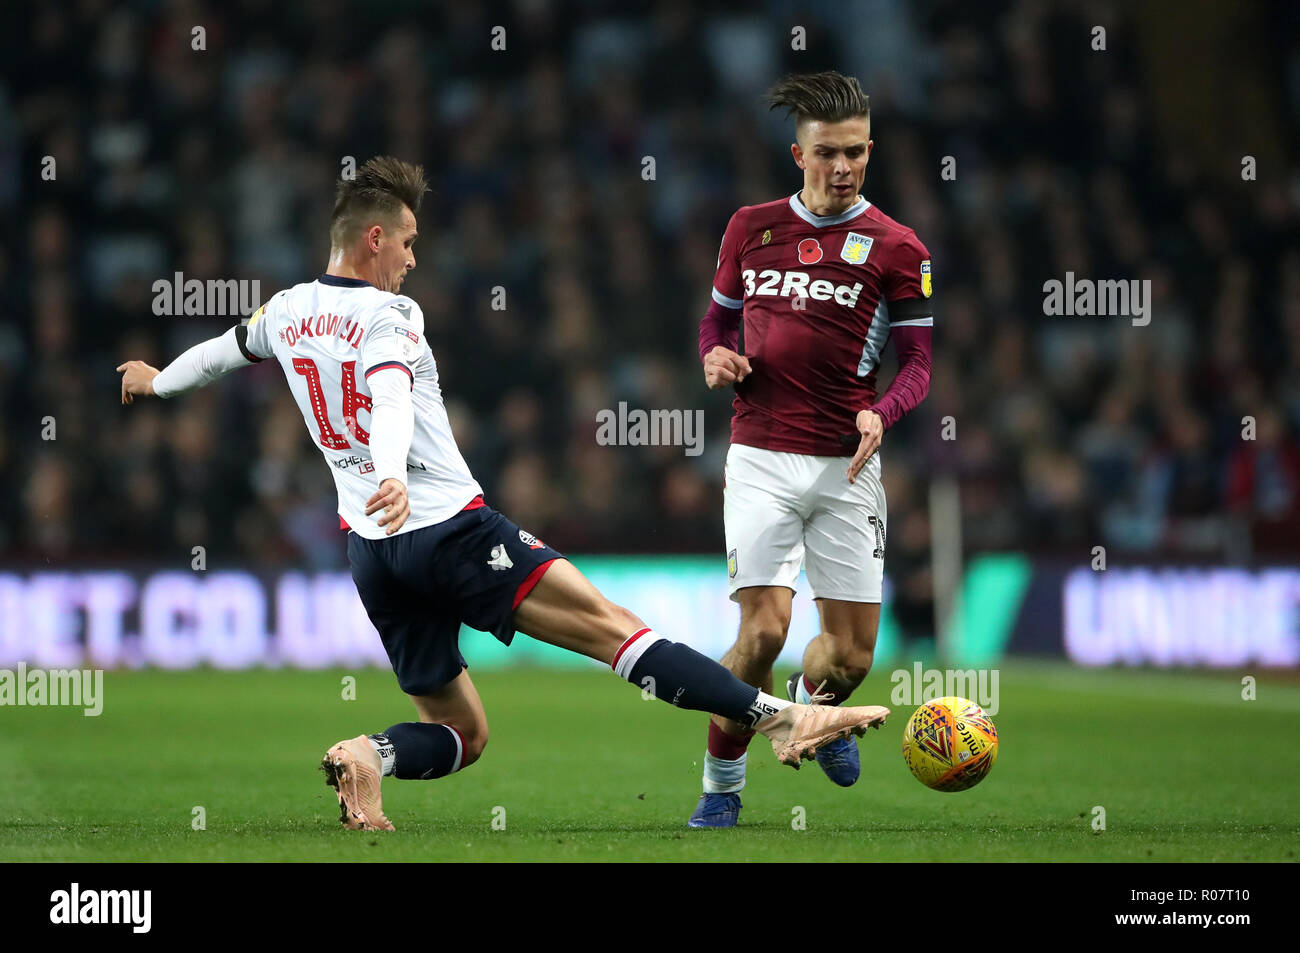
[418, 588]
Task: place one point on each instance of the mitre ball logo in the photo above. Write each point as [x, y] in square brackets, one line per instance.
[810, 251]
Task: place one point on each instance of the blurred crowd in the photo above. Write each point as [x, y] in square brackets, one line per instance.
[1066, 432]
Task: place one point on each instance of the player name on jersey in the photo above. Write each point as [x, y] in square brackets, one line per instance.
[325, 325]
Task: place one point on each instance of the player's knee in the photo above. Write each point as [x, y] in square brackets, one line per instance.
[763, 631]
[474, 745]
[763, 640]
[473, 735]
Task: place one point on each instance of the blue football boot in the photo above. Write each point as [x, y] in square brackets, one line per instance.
[838, 759]
[716, 810]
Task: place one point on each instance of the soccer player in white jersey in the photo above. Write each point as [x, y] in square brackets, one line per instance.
[426, 552]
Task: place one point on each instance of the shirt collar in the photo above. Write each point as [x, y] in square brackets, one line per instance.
[821, 221]
[338, 281]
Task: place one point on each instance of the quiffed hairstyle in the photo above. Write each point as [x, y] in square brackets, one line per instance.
[379, 190]
[826, 97]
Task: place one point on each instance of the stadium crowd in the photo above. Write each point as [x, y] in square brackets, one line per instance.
[219, 163]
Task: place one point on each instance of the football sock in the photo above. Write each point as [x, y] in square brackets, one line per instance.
[727, 746]
[724, 761]
[419, 751]
[681, 676]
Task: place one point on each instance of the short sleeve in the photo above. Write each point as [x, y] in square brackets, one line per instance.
[728, 290]
[394, 338]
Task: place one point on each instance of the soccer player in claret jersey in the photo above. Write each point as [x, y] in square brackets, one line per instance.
[822, 280]
[427, 553]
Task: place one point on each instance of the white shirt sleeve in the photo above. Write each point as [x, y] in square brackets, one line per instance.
[395, 338]
[392, 422]
[393, 345]
[201, 365]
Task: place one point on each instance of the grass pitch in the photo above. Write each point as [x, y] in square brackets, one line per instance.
[579, 768]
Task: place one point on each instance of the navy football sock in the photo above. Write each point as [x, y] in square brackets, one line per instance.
[420, 751]
[681, 676]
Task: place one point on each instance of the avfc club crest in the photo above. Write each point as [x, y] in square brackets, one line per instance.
[731, 564]
[856, 248]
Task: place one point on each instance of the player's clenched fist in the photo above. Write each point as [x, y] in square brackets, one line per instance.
[391, 498]
[137, 378]
[723, 366]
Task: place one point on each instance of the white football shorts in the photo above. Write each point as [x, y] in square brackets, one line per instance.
[782, 510]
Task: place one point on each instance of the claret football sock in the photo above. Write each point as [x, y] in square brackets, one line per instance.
[727, 746]
[681, 676]
[419, 751]
[724, 761]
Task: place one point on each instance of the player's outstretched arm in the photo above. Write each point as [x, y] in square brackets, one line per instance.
[202, 364]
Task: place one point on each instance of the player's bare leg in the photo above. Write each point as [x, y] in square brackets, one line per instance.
[836, 662]
[764, 623]
[450, 735]
[565, 609]
[842, 653]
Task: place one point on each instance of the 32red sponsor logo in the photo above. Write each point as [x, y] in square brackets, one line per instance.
[799, 283]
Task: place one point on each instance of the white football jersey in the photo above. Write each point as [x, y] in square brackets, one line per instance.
[329, 335]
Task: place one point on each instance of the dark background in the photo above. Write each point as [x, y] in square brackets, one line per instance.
[1071, 432]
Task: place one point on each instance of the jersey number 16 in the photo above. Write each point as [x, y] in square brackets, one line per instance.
[352, 401]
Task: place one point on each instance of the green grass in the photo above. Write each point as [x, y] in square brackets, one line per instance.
[586, 770]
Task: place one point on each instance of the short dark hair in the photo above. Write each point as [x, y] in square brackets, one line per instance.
[826, 97]
[381, 186]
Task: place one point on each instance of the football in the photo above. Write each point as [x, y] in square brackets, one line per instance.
[950, 744]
